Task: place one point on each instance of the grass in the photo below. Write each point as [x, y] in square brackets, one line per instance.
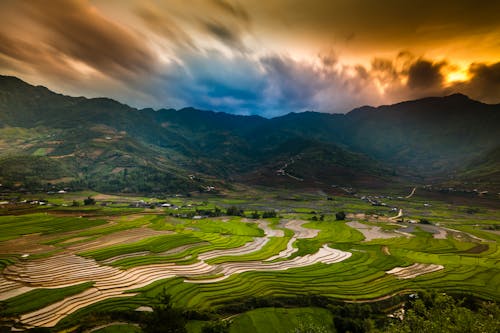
[154, 244]
[331, 232]
[40, 152]
[15, 226]
[195, 326]
[281, 320]
[40, 298]
[232, 227]
[273, 247]
[215, 242]
[123, 223]
[7, 259]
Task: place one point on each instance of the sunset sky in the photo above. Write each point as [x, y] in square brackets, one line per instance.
[255, 57]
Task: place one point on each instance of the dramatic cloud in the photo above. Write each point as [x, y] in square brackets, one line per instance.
[163, 25]
[224, 34]
[484, 83]
[235, 10]
[249, 57]
[425, 74]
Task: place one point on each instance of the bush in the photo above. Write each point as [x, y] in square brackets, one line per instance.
[269, 214]
[425, 221]
[165, 318]
[89, 201]
[255, 215]
[234, 211]
[340, 216]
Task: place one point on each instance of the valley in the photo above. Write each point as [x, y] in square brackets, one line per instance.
[113, 254]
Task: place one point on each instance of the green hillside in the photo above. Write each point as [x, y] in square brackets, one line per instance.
[107, 146]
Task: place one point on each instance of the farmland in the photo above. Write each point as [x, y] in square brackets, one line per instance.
[63, 262]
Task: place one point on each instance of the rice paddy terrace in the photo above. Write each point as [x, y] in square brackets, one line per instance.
[60, 262]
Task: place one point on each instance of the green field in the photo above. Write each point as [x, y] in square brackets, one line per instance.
[39, 298]
[106, 235]
[281, 320]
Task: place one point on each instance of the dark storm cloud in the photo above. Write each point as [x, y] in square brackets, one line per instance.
[484, 83]
[420, 77]
[270, 86]
[424, 74]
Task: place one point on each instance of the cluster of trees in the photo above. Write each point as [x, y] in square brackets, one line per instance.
[320, 218]
[237, 211]
[210, 212]
[439, 312]
[89, 201]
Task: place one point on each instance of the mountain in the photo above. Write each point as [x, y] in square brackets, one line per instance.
[102, 144]
[483, 171]
[431, 136]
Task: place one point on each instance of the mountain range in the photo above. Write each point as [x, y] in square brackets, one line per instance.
[49, 140]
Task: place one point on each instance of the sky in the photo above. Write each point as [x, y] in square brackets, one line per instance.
[255, 57]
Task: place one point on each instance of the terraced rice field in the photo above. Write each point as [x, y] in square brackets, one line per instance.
[107, 262]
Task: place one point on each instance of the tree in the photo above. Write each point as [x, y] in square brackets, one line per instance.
[165, 318]
[89, 201]
[269, 214]
[438, 312]
[340, 216]
[234, 211]
[255, 215]
[217, 211]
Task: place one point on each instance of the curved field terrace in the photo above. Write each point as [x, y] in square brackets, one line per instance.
[94, 259]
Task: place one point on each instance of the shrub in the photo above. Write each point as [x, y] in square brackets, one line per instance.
[269, 214]
[234, 211]
[89, 201]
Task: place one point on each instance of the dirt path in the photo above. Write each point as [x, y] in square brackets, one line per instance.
[400, 214]
[412, 193]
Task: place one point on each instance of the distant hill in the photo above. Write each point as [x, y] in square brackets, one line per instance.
[483, 171]
[102, 144]
[431, 135]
